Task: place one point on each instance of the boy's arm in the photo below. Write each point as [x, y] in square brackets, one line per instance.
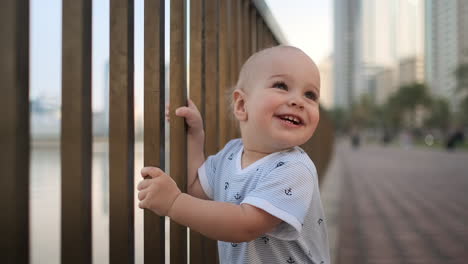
[196, 157]
[195, 147]
[222, 221]
[217, 220]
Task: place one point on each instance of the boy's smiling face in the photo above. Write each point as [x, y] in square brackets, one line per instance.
[276, 100]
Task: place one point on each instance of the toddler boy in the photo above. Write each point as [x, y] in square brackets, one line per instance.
[259, 195]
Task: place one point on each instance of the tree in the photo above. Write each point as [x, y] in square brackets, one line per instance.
[340, 119]
[364, 113]
[403, 105]
[461, 74]
[439, 114]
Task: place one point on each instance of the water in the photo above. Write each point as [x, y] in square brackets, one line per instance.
[45, 203]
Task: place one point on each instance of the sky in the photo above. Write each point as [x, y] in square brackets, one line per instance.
[306, 24]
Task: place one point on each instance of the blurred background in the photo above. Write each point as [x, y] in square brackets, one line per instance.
[394, 81]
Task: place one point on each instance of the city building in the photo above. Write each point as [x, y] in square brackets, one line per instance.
[447, 45]
[326, 82]
[346, 43]
[382, 40]
[411, 70]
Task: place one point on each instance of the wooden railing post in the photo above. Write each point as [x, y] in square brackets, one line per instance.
[196, 68]
[235, 39]
[14, 131]
[210, 84]
[253, 29]
[224, 48]
[154, 107]
[212, 75]
[76, 135]
[121, 133]
[178, 139]
[203, 92]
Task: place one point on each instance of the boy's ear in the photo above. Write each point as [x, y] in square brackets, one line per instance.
[239, 105]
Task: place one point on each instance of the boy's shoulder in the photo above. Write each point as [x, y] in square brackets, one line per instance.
[296, 156]
[232, 146]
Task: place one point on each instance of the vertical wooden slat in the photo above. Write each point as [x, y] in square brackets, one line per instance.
[196, 94]
[203, 91]
[253, 30]
[260, 33]
[76, 136]
[236, 57]
[320, 146]
[224, 68]
[271, 41]
[266, 35]
[238, 47]
[211, 83]
[154, 86]
[211, 75]
[121, 132]
[14, 130]
[245, 30]
[196, 53]
[178, 139]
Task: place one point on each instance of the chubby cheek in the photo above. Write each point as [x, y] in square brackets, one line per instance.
[314, 118]
[263, 112]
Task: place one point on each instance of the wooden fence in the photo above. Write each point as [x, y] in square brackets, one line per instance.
[223, 33]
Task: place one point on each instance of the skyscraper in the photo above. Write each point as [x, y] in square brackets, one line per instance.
[447, 45]
[371, 40]
[346, 42]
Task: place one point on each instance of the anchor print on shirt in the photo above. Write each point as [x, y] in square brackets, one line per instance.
[226, 185]
[265, 239]
[279, 164]
[320, 221]
[288, 191]
[230, 156]
[237, 196]
[290, 260]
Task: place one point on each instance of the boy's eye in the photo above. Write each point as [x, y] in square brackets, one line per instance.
[280, 85]
[311, 95]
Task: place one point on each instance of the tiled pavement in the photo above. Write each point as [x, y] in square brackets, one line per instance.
[398, 206]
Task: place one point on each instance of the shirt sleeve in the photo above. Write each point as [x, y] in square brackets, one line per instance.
[205, 175]
[286, 193]
[208, 170]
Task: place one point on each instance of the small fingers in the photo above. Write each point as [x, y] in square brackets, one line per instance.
[192, 105]
[167, 112]
[182, 111]
[142, 195]
[143, 184]
[152, 172]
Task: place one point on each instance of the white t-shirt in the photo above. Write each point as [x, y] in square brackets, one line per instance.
[285, 185]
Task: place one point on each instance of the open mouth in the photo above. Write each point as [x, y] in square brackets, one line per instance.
[291, 119]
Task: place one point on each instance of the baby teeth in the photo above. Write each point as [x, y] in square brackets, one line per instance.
[292, 118]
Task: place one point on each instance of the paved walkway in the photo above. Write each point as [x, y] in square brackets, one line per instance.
[399, 206]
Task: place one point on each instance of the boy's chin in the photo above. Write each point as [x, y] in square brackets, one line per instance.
[287, 144]
[290, 142]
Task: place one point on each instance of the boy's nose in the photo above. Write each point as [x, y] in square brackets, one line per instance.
[294, 102]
